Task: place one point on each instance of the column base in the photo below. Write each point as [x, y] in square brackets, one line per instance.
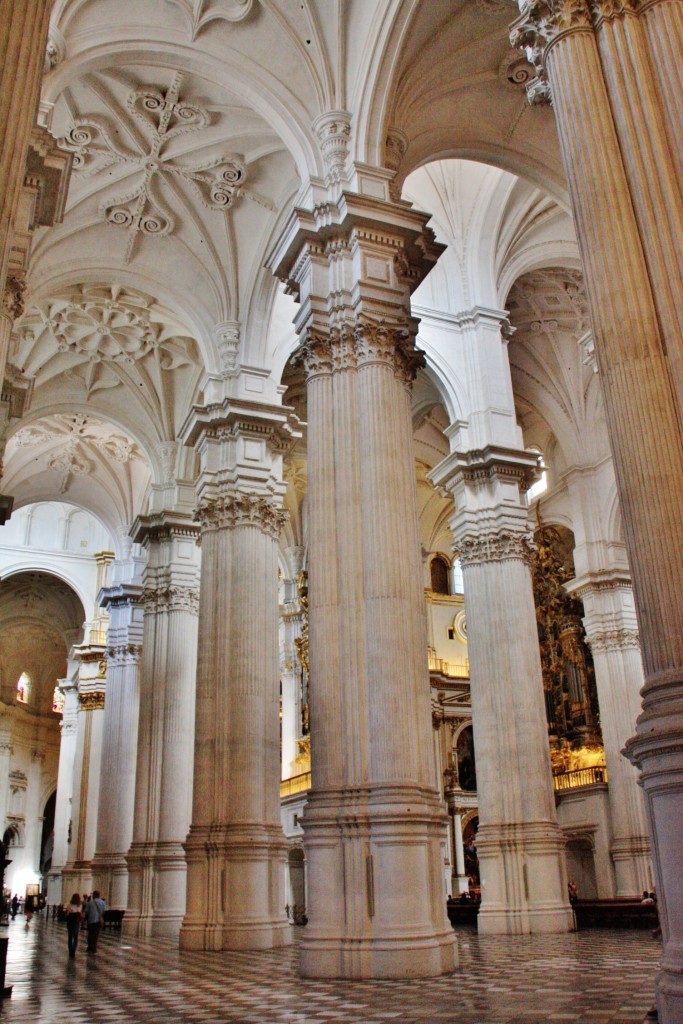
[377, 899]
[523, 879]
[669, 986]
[157, 884]
[413, 957]
[77, 877]
[235, 888]
[110, 878]
[632, 865]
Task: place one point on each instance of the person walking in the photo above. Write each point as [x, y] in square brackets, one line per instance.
[73, 923]
[15, 906]
[94, 918]
[28, 909]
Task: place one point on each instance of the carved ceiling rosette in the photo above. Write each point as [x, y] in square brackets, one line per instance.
[100, 336]
[156, 119]
[72, 444]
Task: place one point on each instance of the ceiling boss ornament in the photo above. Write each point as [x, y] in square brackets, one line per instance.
[142, 209]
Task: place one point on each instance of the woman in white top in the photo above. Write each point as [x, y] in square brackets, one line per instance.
[73, 922]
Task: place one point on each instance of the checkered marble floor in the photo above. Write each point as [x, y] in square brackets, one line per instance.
[593, 977]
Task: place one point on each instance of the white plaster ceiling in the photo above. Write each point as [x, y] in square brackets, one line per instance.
[81, 457]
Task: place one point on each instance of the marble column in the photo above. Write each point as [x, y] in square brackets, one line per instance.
[23, 38]
[625, 206]
[5, 755]
[123, 600]
[520, 844]
[236, 850]
[82, 828]
[65, 788]
[374, 824]
[163, 781]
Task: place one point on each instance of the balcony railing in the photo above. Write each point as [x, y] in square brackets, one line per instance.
[580, 777]
[297, 784]
[450, 669]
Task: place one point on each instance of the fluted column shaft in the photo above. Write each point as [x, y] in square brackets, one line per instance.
[618, 678]
[119, 749]
[65, 784]
[82, 832]
[163, 781]
[236, 850]
[23, 37]
[621, 172]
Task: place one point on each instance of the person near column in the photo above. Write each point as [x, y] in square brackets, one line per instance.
[28, 909]
[73, 923]
[94, 918]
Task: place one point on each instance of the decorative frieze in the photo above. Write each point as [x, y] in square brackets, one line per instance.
[495, 546]
[236, 510]
[171, 599]
[361, 344]
[93, 700]
[608, 640]
[333, 129]
[124, 654]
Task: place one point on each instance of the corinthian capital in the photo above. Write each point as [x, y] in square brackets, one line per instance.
[540, 24]
[495, 546]
[230, 511]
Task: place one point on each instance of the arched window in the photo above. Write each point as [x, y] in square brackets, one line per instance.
[24, 688]
[439, 569]
[541, 485]
[458, 580]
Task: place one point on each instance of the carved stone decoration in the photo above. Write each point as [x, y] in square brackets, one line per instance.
[495, 546]
[162, 116]
[613, 640]
[333, 129]
[93, 700]
[169, 598]
[13, 299]
[87, 329]
[515, 71]
[79, 433]
[540, 24]
[200, 12]
[235, 510]
[227, 336]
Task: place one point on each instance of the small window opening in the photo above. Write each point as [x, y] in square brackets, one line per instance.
[24, 688]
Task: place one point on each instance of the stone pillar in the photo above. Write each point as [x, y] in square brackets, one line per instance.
[5, 755]
[291, 624]
[374, 824]
[82, 829]
[23, 38]
[163, 782]
[236, 851]
[65, 782]
[520, 845]
[611, 632]
[596, 57]
[123, 599]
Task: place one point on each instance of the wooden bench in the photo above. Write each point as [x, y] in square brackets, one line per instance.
[462, 913]
[113, 918]
[618, 913]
